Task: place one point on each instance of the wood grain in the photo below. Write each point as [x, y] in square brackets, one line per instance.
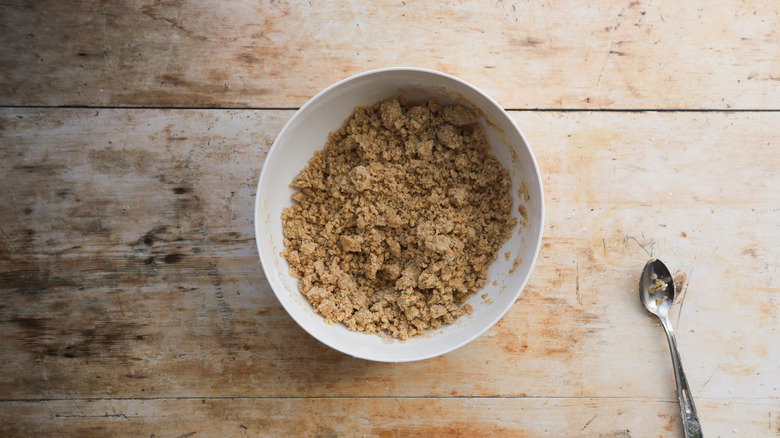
[132, 134]
[386, 417]
[131, 289]
[613, 54]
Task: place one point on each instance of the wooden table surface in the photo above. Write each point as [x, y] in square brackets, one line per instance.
[132, 134]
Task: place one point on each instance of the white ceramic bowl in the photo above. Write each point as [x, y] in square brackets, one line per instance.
[307, 131]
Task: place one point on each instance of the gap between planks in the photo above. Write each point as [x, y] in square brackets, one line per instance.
[520, 110]
[464, 397]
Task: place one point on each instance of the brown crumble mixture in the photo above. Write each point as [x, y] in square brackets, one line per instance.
[397, 219]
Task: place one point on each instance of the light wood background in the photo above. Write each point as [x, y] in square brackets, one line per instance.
[132, 134]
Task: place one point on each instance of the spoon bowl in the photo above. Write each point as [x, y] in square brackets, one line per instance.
[656, 288]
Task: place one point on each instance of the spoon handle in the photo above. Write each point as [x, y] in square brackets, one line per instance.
[690, 419]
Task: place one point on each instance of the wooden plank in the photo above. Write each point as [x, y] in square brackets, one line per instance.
[128, 267]
[271, 54]
[384, 417]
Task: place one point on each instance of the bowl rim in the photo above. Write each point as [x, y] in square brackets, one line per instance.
[268, 264]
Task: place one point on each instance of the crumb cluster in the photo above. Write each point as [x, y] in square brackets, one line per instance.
[397, 218]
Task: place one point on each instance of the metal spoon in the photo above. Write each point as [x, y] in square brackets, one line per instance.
[656, 290]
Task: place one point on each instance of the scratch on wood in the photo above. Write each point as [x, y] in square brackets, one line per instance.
[119, 301]
[769, 420]
[7, 239]
[398, 402]
[603, 67]
[705, 384]
[188, 434]
[577, 289]
[588, 423]
[106, 415]
[651, 244]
